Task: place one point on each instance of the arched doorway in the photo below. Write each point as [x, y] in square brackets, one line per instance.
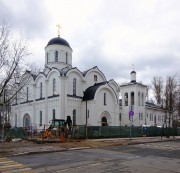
[105, 118]
[26, 120]
[104, 121]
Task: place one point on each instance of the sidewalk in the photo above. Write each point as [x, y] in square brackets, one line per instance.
[29, 147]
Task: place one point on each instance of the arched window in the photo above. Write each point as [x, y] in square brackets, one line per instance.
[26, 120]
[155, 119]
[54, 86]
[40, 118]
[47, 57]
[54, 114]
[95, 78]
[74, 86]
[27, 93]
[104, 98]
[41, 90]
[132, 98]
[56, 56]
[139, 99]
[126, 99]
[66, 57]
[74, 117]
[142, 99]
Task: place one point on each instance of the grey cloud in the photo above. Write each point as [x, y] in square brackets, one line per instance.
[32, 19]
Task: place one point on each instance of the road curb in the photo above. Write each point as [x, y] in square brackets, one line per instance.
[130, 142]
[46, 151]
[156, 141]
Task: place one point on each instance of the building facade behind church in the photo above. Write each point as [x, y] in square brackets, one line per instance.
[62, 90]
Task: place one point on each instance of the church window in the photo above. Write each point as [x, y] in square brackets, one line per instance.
[47, 56]
[132, 98]
[138, 98]
[95, 78]
[54, 86]
[74, 117]
[141, 116]
[104, 98]
[155, 119]
[27, 93]
[40, 119]
[26, 122]
[15, 120]
[66, 57]
[126, 99]
[151, 117]
[56, 56]
[41, 89]
[120, 117]
[142, 99]
[54, 114]
[74, 86]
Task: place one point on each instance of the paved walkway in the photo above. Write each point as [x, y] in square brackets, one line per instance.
[28, 147]
[9, 166]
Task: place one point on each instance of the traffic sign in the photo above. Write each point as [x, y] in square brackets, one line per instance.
[131, 113]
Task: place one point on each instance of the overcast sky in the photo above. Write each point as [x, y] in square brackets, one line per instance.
[110, 34]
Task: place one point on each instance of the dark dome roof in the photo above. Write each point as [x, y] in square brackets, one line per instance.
[58, 40]
[133, 72]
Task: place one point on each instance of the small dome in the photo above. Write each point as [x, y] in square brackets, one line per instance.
[133, 72]
[59, 41]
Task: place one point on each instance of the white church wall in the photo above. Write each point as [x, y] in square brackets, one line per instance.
[91, 77]
[111, 105]
[115, 87]
[79, 83]
[62, 50]
[54, 104]
[40, 79]
[40, 106]
[25, 109]
[155, 117]
[74, 104]
[51, 76]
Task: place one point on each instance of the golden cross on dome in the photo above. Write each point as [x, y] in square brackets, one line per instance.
[58, 26]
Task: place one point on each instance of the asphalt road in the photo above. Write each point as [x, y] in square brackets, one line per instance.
[163, 157]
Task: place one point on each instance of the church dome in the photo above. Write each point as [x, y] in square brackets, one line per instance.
[58, 41]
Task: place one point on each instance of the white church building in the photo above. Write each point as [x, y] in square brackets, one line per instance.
[62, 90]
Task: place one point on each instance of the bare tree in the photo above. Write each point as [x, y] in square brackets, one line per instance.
[176, 117]
[170, 97]
[13, 50]
[157, 87]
